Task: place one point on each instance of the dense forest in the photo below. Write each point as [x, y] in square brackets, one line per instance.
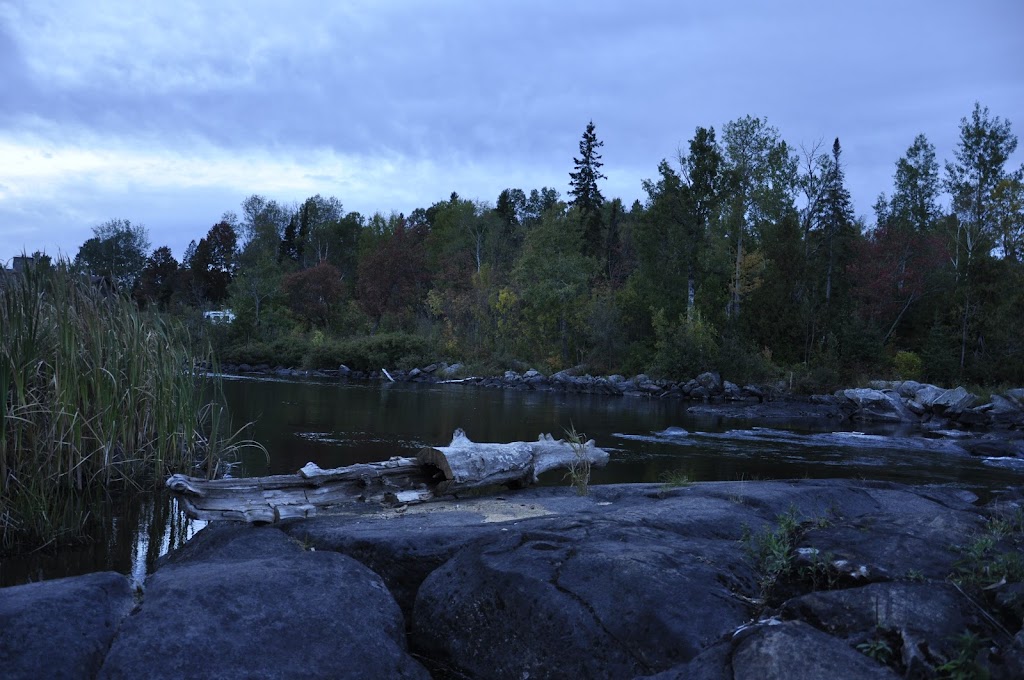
[745, 257]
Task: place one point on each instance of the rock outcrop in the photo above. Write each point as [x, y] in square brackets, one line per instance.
[802, 579]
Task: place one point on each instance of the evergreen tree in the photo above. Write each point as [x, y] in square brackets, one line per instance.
[586, 197]
[837, 219]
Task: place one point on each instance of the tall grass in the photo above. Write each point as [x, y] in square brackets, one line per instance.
[95, 397]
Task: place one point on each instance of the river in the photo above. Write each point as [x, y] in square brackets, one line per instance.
[335, 423]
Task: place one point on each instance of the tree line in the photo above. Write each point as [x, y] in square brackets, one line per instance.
[745, 257]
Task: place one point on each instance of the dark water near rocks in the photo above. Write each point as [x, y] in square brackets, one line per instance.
[335, 424]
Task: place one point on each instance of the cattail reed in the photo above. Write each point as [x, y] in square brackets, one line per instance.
[95, 397]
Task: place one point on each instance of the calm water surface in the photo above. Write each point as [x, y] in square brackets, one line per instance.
[335, 423]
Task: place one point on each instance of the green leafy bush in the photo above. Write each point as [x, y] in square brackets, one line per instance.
[683, 348]
[908, 366]
[388, 350]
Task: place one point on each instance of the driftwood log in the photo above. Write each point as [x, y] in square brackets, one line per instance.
[435, 472]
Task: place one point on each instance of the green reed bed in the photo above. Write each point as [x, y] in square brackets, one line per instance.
[95, 397]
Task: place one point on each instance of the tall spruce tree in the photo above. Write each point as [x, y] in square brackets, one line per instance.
[586, 197]
[836, 220]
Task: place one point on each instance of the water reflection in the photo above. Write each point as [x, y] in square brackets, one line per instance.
[335, 423]
[126, 535]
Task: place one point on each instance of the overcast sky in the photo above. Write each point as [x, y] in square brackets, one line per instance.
[171, 113]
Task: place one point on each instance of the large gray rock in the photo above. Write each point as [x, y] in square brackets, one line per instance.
[712, 382]
[773, 650]
[926, 617]
[909, 535]
[1016, 395]
[545, 604]
[877, 406]
[61, 628]
[246, 602]
[797, 651]
[403, 552]
[942, 401]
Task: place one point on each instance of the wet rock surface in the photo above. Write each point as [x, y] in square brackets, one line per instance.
[61, 628]
[250, 602]
[800, 579]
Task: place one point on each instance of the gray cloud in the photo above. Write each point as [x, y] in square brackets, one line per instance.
[425, 98]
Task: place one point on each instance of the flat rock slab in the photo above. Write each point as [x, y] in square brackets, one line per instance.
[61, 628]
[253, 603]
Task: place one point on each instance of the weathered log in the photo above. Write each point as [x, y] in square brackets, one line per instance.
[277, 497]
[436, 471]
[470, 465]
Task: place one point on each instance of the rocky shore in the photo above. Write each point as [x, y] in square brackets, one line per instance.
[800, 579]
[906, 402]
[985, 429]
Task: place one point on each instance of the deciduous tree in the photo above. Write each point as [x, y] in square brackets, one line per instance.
[118, 250]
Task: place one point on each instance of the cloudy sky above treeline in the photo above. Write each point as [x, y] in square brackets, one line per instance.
[170, 113]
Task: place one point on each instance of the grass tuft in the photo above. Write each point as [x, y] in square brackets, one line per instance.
[579, 468]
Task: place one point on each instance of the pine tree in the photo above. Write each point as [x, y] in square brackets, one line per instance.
[837, 220]
[586, 197]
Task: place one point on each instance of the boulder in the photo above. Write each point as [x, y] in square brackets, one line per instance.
[1016, 395]
[925, 616]
[732, 390]
[797, 651]
[61, 628]
[712, 382]
[953, 401]
[1006, 413]
[908, 389]
[545, 604]
[771, 650]
[250, 602]
[876, 406]
[928, 394]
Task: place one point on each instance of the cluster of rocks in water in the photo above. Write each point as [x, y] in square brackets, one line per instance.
[743, 580]
[708, 386]
[934, 408]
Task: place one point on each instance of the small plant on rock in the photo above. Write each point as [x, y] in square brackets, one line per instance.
[579, 468]
[878, 649]
[772, 551]
[671, 479]
[964, 665]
